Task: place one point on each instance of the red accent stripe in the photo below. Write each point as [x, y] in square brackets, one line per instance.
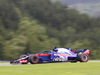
[73, 51]
[23, 61]
[44, 54]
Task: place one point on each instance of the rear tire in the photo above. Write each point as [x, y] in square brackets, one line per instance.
[34, 59]
[83, 57]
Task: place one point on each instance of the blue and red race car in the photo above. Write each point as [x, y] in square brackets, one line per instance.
[57, 55]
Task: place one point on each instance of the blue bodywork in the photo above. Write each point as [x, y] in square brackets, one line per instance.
[58, 54]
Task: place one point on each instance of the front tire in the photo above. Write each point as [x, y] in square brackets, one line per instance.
[34, 59]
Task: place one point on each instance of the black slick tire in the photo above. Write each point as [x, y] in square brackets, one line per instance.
[83, 57]
[34, 59]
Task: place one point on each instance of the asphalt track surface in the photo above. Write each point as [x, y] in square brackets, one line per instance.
[8, 64]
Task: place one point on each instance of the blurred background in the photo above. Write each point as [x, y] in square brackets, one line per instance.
[30, 26]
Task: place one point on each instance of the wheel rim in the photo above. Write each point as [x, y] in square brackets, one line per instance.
[35, 59]
[84, 58]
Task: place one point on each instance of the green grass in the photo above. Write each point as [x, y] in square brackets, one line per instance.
[52, 69]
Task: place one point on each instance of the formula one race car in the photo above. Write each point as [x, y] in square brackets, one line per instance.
[57, 55]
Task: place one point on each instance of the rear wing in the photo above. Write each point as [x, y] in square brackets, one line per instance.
[86, 51]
